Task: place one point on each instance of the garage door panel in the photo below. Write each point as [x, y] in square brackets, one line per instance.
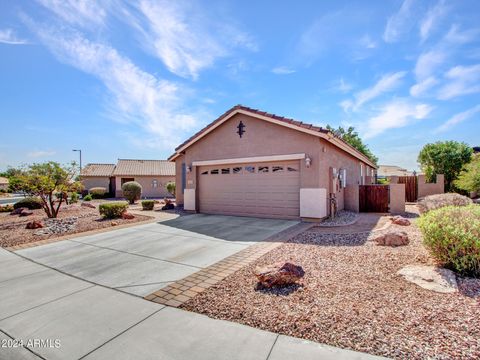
[266, 194]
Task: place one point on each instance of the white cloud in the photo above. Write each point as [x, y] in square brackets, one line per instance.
[432, 18]
[387, 83]
[399, 23]
[462, 80]
[423, 86]
[458, 118]
[396, 114]
[342, 86]
[283, 70]
[78, 12]
[428, 62]
[367, 42]
[456, 36]
[7, 36]
[40, 153]
[136, 96]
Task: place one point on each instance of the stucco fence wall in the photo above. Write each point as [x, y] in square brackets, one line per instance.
[148, 190]
[396, 198]
[425, 189]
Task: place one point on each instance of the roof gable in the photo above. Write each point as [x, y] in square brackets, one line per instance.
[97, 170]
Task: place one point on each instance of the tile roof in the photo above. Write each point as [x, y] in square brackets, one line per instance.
[144, 167]
[98, 170]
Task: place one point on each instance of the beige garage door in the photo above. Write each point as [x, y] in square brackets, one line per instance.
[257, 189]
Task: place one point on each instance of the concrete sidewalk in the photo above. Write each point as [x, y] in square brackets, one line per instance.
[61, 317]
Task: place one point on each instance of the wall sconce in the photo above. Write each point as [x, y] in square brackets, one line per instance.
[189, 169]
[308, 162]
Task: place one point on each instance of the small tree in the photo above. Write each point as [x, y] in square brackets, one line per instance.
[469, 178]
[447, 157]
[171, 187]
[132, 191]
[351, 137]
[44, 181]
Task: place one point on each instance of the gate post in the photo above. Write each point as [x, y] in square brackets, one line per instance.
[397, 198]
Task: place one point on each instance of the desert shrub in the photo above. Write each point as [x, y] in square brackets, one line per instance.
[87, 197]
[30, 203]
[98, 192]
[171, 187]
[74, 198]
[452, 234]
[383, 181]
[148, 204]
[433, 202]
[112, 210]
[132, 191]
[6, 208]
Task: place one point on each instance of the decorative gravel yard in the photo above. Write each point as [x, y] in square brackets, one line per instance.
[352, 297]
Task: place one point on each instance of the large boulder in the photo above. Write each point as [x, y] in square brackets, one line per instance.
[18, 211]
[279, 274]
[400, 220]
[128, 216]
[392, 238]
[26, 213]
[34, 225]
[430, 278]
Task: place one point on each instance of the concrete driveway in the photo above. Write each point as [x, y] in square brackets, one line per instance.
[144, 258]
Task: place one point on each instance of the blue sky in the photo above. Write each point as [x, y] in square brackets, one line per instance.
[133, 79]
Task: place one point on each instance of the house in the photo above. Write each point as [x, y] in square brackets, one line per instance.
[391, 170]
[153, 175]
[252, 163]
[3, 183]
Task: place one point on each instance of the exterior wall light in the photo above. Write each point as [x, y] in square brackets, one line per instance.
[308, 162]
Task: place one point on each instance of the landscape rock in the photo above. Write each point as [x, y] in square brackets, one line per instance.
[280, 274]
[26, 213]
[58, 226]
[114, 223]
[128, 216]
[400, 220]
[168, 206]
[430, 278]
[18, 211]
[392, 238]
[86, 204]
[34, 225]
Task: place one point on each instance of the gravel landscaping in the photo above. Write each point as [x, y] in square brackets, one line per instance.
[352, 297]
[343, 218]
[71, 219]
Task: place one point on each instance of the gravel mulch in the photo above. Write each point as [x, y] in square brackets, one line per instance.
[13, 232]
[351, 297]
[343, 218]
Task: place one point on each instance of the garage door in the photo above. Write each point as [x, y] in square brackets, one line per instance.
[257, 189]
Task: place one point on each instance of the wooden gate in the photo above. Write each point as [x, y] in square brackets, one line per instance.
[411, 189]
[373, 198]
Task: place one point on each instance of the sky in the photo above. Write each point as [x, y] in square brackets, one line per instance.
[133, 79]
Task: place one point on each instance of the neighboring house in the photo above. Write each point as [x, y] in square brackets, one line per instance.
[384, 171]
[252, 163]
[153, 175]
[3, 183]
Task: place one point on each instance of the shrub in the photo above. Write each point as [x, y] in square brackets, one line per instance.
[132, 191]
[433, 202]
[452, 234]
[98, 192]
[30, 203]
[87, 197]
[74, 198]
[148, 204]
[112, 210]
[171, 187]
[6, 208]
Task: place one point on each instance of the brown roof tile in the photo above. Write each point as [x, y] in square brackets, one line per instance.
[98, 170]
[144, 167]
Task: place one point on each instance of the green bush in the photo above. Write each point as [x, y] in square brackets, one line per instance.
[98, 192]
[74, 198]
[6, 208]
[87, 197]
[112, 210]
[452, 234]
[171, 187]
[148, 204]
[30, 203]
[132, 191]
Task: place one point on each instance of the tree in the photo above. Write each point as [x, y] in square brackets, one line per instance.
[132, 191]
[469, 178]
[44, 181]
[447, 157]
[351, 137]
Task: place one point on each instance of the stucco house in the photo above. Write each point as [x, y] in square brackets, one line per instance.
[3, 183]
[252, 163]
[153, 175]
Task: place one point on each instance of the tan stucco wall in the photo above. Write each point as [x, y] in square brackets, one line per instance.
[425, 189]
[262, 138]
[95, 181]
[147, 189]
[397, 198]
[178, 179]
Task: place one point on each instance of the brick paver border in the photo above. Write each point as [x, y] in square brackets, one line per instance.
[185, 289]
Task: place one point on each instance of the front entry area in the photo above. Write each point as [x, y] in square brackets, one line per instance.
[266, 189]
